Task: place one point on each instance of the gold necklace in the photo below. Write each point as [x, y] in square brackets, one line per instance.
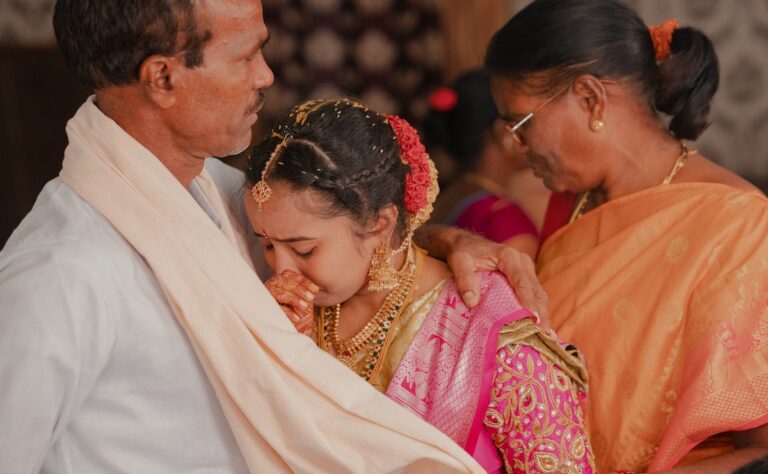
[377, 328]
[680, 161]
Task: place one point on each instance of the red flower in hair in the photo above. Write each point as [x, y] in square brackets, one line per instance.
[443, 99]
[413, 153]
[662, 38]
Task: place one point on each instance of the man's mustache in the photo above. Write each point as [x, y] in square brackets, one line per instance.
[256, 105]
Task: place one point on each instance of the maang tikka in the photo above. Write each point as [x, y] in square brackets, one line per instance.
[261, 192]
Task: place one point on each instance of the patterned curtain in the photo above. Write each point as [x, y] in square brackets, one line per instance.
[387, 53]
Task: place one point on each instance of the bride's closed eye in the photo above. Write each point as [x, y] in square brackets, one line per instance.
[301, 252]
[304, 253]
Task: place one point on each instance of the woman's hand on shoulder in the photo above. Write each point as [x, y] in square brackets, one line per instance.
[471, 253]
[295, 294]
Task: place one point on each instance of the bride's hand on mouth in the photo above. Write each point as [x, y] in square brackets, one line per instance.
[295, 294]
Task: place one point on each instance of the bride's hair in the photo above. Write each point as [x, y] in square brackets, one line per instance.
[344, 151]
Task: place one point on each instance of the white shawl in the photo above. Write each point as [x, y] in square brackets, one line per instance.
[291, 406]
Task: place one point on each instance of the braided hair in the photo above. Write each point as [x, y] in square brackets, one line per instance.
[342, 150]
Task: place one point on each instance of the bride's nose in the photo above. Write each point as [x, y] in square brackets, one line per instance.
[283, 261]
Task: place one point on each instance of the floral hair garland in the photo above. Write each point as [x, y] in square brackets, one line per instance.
[421, 187]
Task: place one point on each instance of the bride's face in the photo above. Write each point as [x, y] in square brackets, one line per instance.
[298, 237]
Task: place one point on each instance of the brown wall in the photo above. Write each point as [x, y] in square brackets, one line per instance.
[37, 97]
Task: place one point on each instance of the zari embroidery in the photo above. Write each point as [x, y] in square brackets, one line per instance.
[534, 415]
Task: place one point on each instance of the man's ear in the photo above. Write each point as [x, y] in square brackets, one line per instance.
[156, 75]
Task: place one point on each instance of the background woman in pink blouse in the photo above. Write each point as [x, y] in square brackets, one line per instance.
[464, 123]
[336, 193]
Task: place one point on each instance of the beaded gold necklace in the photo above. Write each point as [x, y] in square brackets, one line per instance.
[375, 331]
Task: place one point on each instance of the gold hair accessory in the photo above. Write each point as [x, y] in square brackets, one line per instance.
[596, 125]
[301, 113]
[420, 193]
[261, 192]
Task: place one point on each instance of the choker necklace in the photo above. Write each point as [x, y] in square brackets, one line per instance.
[682, 158]
[375, 332]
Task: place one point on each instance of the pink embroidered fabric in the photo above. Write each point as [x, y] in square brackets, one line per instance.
[453, 376]
[439, 377]
[534, 415]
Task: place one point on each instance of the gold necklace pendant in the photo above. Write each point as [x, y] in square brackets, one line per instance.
[375, 332]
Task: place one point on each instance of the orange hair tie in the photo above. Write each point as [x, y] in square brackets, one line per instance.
[662, 38]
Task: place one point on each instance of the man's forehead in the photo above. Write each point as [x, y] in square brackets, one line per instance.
[245, 6]
[233, 10]
[239, 23]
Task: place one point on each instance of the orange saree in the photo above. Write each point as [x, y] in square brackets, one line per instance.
[666, 293]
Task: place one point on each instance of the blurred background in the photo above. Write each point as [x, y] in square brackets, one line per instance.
[390, 54]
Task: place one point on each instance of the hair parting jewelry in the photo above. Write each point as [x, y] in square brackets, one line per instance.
[261, 192]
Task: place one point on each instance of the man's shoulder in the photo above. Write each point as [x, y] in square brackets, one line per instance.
[62, 227]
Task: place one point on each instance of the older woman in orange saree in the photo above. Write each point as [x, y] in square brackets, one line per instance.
[670, 286]
[658, 270]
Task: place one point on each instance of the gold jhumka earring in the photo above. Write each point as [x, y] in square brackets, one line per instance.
[261, 192]
[382, 275]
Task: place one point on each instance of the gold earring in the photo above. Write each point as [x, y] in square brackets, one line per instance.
[382, 275]
[596, 125]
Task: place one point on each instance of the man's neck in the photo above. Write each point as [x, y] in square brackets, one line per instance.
[145, 125]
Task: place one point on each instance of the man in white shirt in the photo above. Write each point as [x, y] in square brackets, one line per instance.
[96, 374]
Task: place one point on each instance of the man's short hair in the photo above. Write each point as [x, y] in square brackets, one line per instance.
[104, 42]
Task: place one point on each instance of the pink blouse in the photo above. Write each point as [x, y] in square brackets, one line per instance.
[534, 415]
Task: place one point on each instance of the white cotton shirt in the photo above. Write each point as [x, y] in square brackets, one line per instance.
[96, 375]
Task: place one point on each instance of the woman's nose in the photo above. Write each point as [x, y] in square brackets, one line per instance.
[282, 262]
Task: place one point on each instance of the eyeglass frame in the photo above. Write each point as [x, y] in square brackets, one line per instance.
[514, 128]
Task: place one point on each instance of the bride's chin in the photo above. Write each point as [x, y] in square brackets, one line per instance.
[325, 300]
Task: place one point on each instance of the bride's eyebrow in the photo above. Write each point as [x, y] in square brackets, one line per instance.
[288, 240]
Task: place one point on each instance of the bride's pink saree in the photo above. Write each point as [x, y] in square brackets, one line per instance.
[446, 374]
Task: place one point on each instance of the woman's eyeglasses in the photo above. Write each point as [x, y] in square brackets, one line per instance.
[514, 127]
